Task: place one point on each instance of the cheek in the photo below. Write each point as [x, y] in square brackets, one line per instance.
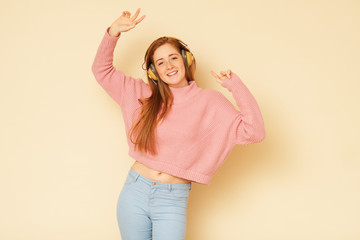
[163, 73]
[160, 70]
[183, 69]
[181, 66]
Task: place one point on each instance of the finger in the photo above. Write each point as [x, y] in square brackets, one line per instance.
[215, 75]
[228, 73]
[131, 25]
[135, 15]
[219, 81]
[140, 19]
[224, 75]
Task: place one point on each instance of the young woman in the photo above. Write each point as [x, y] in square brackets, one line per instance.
[177, 132]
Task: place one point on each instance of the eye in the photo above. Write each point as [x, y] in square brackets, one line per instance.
[160, 63]
[174, 58]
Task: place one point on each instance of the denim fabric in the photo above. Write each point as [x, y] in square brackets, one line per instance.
[149, 209]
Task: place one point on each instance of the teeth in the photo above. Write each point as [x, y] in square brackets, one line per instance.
[173, 73]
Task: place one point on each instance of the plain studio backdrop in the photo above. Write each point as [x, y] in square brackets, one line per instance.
[63, 151]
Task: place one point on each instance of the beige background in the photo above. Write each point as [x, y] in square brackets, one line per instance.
[63, 156]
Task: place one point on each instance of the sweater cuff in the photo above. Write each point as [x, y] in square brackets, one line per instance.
[111, 37]
[233, 82]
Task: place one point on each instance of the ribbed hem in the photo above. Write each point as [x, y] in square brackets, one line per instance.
[172, 170]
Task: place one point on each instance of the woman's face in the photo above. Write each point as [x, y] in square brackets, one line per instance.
[170, 66]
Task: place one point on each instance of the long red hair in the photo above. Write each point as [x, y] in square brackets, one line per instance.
[155, 108]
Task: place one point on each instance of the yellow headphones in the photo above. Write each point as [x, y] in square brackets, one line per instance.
[187, 56]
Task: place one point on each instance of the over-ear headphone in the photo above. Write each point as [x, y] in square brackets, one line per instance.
[187, 56]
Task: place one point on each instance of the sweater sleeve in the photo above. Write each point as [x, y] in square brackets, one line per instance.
[248, 126]
[114, 82]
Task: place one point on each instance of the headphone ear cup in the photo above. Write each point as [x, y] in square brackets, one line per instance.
[152, 72]
[187, 56]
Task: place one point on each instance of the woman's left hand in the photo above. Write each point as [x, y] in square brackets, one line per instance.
[223, 75]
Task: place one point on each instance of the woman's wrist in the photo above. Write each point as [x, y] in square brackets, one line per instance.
[113, 33]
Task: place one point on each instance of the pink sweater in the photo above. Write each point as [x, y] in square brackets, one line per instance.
[200, 130]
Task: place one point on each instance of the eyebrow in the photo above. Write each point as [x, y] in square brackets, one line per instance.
[168, 56]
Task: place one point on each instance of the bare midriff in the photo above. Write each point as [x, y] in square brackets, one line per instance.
[156, 175]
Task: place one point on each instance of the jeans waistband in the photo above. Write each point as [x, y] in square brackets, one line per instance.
[138, 177]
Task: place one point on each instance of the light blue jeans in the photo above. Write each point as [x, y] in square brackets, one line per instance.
[149, 209]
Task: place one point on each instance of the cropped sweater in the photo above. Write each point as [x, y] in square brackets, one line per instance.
[201, 128]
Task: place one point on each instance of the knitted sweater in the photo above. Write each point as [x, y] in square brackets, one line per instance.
[199, 131]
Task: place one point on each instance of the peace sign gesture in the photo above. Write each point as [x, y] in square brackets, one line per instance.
[224, 75]
[125, 23]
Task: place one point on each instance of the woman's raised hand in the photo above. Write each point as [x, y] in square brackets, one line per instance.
[125, 23]
[223, 75]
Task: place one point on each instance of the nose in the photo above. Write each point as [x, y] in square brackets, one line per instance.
[169, 65]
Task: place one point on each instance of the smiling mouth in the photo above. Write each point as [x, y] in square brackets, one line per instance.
[172, 73]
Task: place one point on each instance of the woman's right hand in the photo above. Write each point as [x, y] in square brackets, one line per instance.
[125, 23]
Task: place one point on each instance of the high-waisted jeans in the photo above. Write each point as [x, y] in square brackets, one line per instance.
[152, 210]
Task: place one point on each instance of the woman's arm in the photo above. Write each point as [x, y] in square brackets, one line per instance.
[249, 126]
[112, 80]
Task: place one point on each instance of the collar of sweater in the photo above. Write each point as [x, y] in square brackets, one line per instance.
[183, 94]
